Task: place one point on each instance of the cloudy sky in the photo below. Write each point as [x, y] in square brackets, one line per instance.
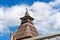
[45, 12]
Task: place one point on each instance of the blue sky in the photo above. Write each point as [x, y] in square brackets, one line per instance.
[14, 2]
[45, 12]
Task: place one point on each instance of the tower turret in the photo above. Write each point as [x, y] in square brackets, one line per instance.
[26, 29]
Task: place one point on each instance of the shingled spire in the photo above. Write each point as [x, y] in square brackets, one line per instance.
[26, 29]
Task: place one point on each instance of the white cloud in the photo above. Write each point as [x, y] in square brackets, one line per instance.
[42, 9]
[1, 13]
[57, 20]
[55, 2]
[46, 18]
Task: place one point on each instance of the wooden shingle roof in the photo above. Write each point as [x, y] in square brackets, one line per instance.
[27, 29]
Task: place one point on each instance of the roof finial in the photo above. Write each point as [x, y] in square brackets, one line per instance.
[26, 9]
[26, 12]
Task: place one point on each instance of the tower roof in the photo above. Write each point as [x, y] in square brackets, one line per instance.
[26, 29]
